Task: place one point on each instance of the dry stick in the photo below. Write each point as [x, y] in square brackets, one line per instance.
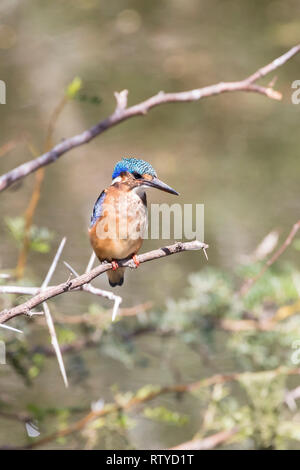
[122, 113]
[249, 283]
[80, 281]
[48, 316]
[156, 392]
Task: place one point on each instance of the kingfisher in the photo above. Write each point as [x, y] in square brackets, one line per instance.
[119, 217]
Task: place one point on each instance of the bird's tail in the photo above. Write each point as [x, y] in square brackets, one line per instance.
[116, 278]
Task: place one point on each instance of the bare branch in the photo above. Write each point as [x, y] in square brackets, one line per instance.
[123, 113]
[249, 283]
[80, 281]
[275, 64]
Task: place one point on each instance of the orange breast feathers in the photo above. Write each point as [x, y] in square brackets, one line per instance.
[118, 231]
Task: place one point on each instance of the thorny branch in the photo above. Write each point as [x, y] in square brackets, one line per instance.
[80, 281]
[122, 113]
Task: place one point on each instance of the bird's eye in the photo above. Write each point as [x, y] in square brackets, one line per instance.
[137, 175]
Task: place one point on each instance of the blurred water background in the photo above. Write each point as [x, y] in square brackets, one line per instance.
[235, 153]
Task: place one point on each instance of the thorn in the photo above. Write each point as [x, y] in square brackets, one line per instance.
[272, 82]
[71, 269]
[10, 328]
[118, 300]
[121, 98]
[204, 251]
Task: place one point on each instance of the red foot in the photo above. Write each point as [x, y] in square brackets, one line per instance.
[136, 261]
[114, 265]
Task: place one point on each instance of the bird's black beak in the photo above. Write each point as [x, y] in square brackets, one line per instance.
[156, 183]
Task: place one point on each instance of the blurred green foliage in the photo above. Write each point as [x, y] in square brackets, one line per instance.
[40, 237]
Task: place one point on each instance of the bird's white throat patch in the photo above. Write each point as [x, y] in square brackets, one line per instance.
[118, 179]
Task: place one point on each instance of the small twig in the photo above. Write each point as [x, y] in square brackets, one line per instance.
[80, 281]
[122, 113]
[249, 283]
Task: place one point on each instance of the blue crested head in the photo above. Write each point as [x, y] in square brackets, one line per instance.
[133, 165]
[142, 175]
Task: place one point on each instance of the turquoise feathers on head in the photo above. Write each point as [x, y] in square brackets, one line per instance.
[133, 165]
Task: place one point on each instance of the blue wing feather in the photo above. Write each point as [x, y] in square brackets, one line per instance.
[98, 208]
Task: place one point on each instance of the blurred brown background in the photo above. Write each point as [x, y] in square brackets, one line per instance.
[236, 153]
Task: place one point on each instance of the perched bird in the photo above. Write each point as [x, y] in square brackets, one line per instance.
[119, 217]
